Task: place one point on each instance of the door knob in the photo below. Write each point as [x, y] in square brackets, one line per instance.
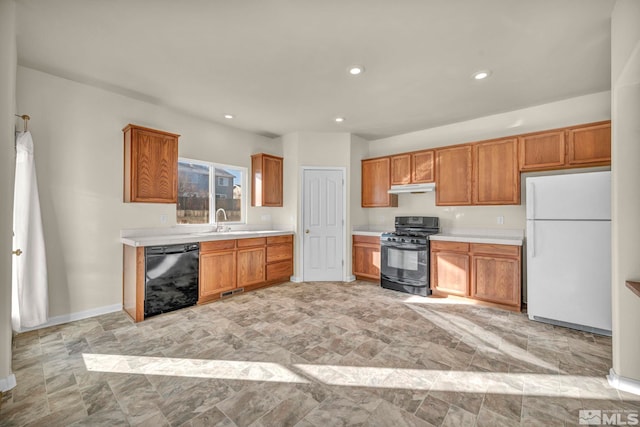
[17, 252]
[306, 231]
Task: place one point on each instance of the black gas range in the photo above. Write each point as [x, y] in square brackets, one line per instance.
[405, 254]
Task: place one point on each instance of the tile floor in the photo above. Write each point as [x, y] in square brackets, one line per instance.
[312, 354]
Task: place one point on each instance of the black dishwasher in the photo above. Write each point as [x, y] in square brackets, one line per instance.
[171, 278]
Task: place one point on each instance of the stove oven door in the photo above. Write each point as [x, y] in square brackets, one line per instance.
[405, 265]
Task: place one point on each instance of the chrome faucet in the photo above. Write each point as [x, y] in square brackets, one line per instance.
[220, 227]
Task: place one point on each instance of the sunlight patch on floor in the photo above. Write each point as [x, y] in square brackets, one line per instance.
[196, 368]
[348, 376]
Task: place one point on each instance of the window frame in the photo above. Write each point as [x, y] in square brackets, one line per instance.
[212, 192]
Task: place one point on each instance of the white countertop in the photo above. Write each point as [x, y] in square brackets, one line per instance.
[368, 230]
[366, 233]
[491, 236]
[149, 239]
[493, 240]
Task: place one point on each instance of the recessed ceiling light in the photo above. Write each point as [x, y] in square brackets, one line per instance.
[480, 75]
[339, 119]
[228, 116]
[354, 70]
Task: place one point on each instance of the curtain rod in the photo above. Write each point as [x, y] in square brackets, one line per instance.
[26, 119]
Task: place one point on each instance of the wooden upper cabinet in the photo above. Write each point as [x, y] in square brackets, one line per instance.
[401, 169]
[412, 168]
[266, 179]
[422, 166]
[150, 165]
[453, 176]
[497, 177]
[577, 146]
[542, 151]
[376, 180]
[589, 144]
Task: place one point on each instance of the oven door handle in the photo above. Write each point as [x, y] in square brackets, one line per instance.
[409, 246]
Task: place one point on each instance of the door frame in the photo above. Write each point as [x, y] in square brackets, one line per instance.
[300, 233]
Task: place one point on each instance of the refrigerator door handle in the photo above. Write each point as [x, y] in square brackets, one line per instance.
[532, 192]
[532, 239]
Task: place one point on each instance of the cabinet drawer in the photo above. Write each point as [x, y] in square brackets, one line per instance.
[449, 246]
[256, 241]
[217, 245]
[279, 270]
[279, 239]
[279, 252]
[491, 249]
[373, 240]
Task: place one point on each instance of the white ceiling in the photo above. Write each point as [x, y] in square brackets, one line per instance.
[281, 65]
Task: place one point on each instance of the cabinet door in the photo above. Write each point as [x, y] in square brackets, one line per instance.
[450, 273]
[401, 169]
[422, 166]
[376, 181]
[266, 180]
[453, 176]
[496, 280]
[251, 266]
[272, 185]
[217, 273]
[151, 166]
[542, 151]
[366, 260]
[589, 144]
[497, 178]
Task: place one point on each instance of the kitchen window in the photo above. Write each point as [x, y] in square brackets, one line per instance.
[205, 187]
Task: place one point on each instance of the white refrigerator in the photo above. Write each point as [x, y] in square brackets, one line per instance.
[569, 250]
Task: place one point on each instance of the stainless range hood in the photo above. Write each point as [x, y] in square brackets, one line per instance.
[412, 188]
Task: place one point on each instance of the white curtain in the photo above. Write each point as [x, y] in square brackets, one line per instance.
[29, 297]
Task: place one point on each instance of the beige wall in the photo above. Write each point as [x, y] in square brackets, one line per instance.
[8, 60]
[77, 131]
[583, 109]
[625, 73]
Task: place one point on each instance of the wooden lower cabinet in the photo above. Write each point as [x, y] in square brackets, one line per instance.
[486, 272]
[279, 258]
[450, 268]
[217, 273]
[251, 266]
[366, 258]
[227, 265]
[493, 280]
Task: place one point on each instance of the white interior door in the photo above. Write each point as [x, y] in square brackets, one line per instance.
[323, 224]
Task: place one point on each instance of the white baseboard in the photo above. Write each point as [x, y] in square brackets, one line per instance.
[66, 318]
[351, 278]
[7, 383]
[622, 383]
[295, 279]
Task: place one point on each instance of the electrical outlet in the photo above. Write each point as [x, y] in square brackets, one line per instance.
[500, 219]
[164, 218]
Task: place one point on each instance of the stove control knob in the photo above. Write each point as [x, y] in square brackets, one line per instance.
[414, 241]
[402, 240]
[388, 239]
